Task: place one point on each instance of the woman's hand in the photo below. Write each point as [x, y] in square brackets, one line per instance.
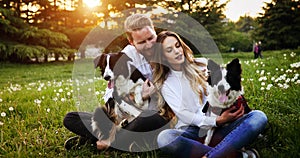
[229, 115]
[148, 89]
[102, 144]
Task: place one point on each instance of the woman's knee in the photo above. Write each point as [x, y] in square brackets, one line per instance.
[259, 119]
[166, 137]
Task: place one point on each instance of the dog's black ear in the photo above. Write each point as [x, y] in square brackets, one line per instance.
[96, 61]
[234, 66]
[99, 61]
[214, 72]
[211, 65]
[234, 71]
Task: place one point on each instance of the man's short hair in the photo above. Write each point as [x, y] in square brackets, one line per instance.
[136, 22]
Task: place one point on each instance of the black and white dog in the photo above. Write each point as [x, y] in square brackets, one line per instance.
[126, 102]
[224, 90]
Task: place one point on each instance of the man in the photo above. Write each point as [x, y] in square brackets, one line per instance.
[142, 37]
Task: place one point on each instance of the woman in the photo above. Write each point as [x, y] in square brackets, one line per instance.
[183, 87]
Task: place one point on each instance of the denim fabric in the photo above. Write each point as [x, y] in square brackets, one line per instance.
[228, 139]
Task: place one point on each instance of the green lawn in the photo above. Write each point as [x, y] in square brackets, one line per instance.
[35, 98]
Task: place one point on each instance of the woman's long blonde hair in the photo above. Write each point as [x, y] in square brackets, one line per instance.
[161, 69]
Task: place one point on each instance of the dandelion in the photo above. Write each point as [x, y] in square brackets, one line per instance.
[1, 100]
[269, 86]
[263, 83]
[97, 92]
[48, 110]
[295, 65]
[257, 71]
[262, 88]
[69, 93]
[11, 109]
[60, 90]
[288, 71]
[285, 86]
[272, 78]
[293, 54]
[39, 89]
[1, 123]
[37, 101]
[55, 99]
[89, 89]
[3, 114]
[62, 99]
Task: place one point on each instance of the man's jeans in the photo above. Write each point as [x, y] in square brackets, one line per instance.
[226, 140]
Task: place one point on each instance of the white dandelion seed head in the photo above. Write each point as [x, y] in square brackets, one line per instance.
[11, 108]
[3, 114]
[1, 123]
[55, 99]
[62, 99]
[37, 101]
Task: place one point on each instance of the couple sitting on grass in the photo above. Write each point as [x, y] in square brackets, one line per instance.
[183, 87]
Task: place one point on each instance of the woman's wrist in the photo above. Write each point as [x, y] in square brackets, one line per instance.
[219, 121]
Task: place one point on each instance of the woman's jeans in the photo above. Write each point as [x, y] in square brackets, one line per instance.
[186, 143]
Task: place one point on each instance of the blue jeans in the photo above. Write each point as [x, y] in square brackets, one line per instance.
[227, 140]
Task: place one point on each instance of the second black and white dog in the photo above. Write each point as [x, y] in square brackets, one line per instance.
[224, 90]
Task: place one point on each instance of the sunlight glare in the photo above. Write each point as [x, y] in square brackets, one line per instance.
[92, 3]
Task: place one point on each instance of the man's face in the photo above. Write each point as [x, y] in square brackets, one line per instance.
[144, 40]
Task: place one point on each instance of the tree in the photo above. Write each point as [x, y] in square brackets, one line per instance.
[279, 27]
[20, 42]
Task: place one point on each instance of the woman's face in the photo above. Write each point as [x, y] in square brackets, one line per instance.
[173, 52]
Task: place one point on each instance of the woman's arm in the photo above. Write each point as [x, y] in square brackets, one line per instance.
[188, 114]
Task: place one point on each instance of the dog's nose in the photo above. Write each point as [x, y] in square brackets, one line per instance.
[107, 78]
[221, 88]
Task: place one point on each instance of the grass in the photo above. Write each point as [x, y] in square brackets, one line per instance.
[35, 98]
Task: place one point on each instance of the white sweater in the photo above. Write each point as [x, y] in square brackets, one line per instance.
[184, 102]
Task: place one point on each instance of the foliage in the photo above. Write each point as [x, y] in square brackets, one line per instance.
[280, 25]
[34, 99]
[22, 42]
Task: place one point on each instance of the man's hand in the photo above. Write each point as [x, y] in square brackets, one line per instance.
[230, 115]
[148, 89]
[102, 144]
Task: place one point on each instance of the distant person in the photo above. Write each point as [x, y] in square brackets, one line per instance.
[255, 50]
[259, 50]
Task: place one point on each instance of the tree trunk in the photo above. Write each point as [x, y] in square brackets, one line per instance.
[45, 58]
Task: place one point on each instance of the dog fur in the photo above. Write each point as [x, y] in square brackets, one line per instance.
[224, 90]
[126, 102]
